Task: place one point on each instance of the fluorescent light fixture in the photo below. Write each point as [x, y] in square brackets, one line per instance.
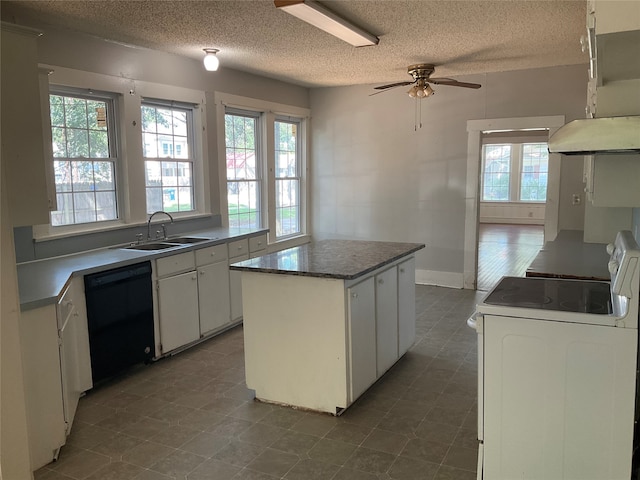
[323, 18]
[211, 62]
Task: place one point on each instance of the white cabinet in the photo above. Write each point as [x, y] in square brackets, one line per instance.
[319, 343]
[57, 370]
[238, 251]
[612, 180]
[386, 312]
[406, 305]
[362, 336]
[178, 310]
[75, 357]
[213, 288]
[177, 301]
[257, 245]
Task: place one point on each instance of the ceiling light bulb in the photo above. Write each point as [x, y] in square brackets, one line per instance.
[421, 93]
[428, 90]
[211, 61]
[413, 91]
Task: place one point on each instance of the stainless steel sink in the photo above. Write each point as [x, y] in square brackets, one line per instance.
[186, 240]
[151, 246]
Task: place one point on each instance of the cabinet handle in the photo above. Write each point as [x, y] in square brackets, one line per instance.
[194, 278]
[402, 270]
[201, 272]
[213, 253]
[240, 247]
[259, 243]
[381, 281]
[354, 295]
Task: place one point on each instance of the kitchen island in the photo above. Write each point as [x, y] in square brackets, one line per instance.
[324, 321]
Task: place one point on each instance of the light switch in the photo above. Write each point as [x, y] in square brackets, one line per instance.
[576, 199]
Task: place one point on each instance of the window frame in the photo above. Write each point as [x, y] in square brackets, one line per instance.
[131, 194]
[516, 170]
[259, 182]
[193, 155]
[298, 177]
[268, 111]
[114, 151]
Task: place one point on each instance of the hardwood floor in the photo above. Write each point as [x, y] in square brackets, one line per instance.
[506, 250]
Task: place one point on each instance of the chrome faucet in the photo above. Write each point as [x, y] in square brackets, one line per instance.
[164, 230]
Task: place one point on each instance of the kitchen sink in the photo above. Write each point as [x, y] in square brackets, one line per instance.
[186, 240]
[151, 246]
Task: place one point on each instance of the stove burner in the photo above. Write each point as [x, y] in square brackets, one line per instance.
[552, 294]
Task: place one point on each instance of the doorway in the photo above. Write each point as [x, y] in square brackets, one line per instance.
[476, 129]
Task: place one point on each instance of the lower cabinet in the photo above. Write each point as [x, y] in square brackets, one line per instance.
[320, 343]
[362, 336]
[406, 305]
[213, 288]
[57, 369]
[178, 312]
[386, 315]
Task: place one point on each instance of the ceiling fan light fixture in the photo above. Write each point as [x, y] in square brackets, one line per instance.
[211, 61]
[321, 17]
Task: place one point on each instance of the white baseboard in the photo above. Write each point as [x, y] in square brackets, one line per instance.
[441, 279]
[513, 220]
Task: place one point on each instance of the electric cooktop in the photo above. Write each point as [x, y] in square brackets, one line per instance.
[578, 296]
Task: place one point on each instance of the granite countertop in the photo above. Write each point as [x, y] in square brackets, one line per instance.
[40, 282]
[340, 259]
[568, 256]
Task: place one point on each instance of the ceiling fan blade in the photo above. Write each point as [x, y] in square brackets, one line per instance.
[392, 85]
[452, 83]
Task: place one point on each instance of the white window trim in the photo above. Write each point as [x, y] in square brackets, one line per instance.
[131, 192]
[269, 112]
[515, 170]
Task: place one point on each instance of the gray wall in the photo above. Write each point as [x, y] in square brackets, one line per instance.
[374, 177]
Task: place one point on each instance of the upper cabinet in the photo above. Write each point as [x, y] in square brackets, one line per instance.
[613, 39]
[23, 148]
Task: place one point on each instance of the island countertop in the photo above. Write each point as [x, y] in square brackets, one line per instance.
[340, 259]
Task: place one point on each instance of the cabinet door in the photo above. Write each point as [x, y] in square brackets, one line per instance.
[406, 305]
[235, 284]
[362, 337]
[386, 319]
[213, 296]
[178, 310]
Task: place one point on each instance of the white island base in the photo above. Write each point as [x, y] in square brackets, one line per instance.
[318, 343]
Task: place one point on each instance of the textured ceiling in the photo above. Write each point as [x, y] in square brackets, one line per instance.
[460, 37]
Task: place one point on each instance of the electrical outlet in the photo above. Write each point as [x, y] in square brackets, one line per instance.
[576, 199]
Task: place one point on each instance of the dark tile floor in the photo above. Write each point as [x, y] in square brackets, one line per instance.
[191, 417]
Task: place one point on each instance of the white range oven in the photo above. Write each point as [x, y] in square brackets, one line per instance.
[557, 363]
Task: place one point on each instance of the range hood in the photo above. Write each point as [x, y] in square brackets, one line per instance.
[597, 135]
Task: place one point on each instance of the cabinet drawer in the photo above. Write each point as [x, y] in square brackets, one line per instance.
[238, 248]
[258, 243]
[175, 264]
[208, 255]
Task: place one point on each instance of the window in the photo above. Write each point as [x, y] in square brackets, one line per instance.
[496, 173]
[242, 134]
[287, 177]
[167, 140]
[534, 173]
[84, 157]
[515, 172]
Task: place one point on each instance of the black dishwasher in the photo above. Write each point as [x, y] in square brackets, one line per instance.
[120, 319]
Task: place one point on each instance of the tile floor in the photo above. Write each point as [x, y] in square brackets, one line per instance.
[191, 417]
